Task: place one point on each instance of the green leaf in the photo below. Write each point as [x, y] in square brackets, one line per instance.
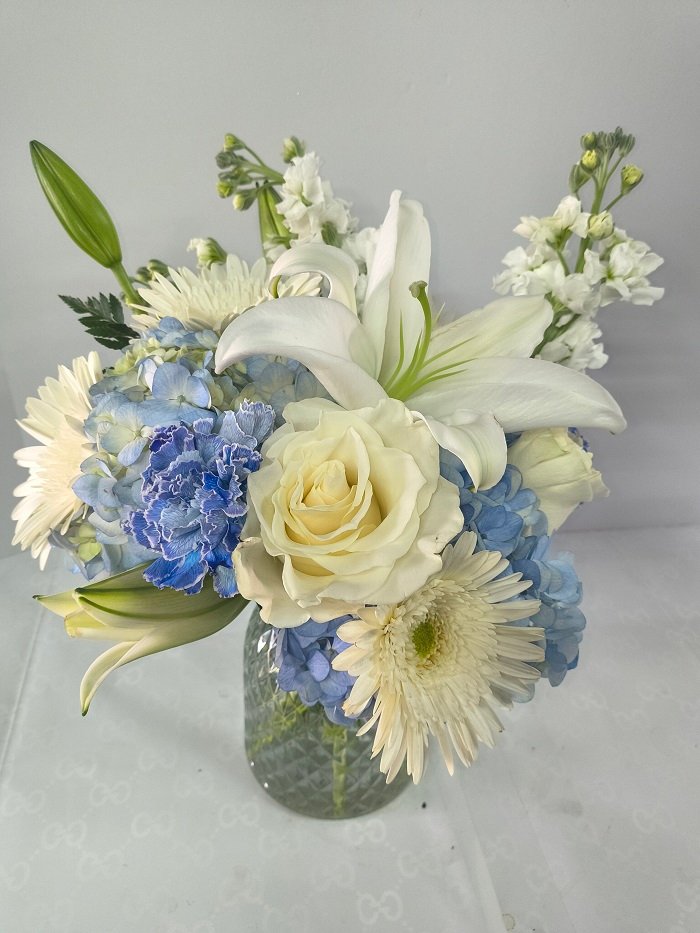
[103, 318]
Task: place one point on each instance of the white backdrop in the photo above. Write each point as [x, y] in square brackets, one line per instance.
[475, 108]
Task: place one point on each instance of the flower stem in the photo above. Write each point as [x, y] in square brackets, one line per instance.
[121, 276]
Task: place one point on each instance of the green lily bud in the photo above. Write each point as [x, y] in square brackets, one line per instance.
[631, 176]
[80, 212]
[600, 225]
[292, 147]
[589, 160]
[142, 619]
[589, 140]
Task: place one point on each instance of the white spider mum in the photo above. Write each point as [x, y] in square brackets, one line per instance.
[56, 420]
[436, 662]
[211, 298]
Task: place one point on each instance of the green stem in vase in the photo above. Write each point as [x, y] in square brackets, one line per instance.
[338, 738]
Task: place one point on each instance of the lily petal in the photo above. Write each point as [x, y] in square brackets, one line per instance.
[401, 258]
[160, 638]
[329, 261]
[320, 333]
[522, 394]
[506, 327]
[477, 439]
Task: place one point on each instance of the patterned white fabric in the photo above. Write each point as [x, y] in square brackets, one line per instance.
[143, 816]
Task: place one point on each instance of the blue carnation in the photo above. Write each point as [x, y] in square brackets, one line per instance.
[304, 658]
[194, 497]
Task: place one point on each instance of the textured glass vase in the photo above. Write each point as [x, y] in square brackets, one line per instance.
[298, 756]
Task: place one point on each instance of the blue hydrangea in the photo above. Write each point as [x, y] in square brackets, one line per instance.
[276, 381]
[194, 497]
[507, 518]
[303, 656]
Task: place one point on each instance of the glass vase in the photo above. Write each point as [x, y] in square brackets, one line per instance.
[297, 755]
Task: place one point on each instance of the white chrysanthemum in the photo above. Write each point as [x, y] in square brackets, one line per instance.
[436, 662]
[210, 299]
[56, 420]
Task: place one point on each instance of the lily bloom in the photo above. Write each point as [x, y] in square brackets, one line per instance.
[471, 380]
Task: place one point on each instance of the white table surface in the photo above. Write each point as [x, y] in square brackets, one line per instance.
[142, 817]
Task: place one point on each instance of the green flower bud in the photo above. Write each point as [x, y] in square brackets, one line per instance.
[577, 177]
[208, 251]
[80, 212]
[589, 140]
[589, 160]
[157, 265]
[244, 199]
[631, 176]
[232, 142]
[292, 147]
[600, 225]
[224, 189]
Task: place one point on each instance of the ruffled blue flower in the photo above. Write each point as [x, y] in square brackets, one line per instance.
[507, 518]
[194, 497]
[304, 658]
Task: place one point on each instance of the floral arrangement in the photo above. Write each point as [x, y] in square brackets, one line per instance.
[308, 433]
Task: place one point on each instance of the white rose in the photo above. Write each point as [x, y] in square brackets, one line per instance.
[556, 467]
[348, 508]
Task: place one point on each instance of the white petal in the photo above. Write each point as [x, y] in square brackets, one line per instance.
[477, 439]
[506, 327]
[329, 261]
[522, 394]
[402, 257]
[259, 577]
[322, 334]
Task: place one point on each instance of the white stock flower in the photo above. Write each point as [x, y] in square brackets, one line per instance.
[567, 216]
[627, 263]
[308, 202]
[577, 348]
[347, 508]
[575, 291]
[471, 379]
[555, 465]
[521, 276]
[55, 419]
[437, 662]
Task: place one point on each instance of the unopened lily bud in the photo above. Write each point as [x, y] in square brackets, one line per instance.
[589, 160]
[589, 140]
[292, 147]
[208, 250]
[600, 225]
[631, 176]
[80, 212]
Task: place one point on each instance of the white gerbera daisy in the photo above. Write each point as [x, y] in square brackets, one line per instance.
[436, 662]
[56, 420]
[211, 298]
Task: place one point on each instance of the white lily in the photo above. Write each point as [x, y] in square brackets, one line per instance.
[143, 620]
[470, 380]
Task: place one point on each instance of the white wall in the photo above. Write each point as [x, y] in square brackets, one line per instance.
[474, 108]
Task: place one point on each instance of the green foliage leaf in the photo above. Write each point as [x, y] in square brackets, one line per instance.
[103, 318]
